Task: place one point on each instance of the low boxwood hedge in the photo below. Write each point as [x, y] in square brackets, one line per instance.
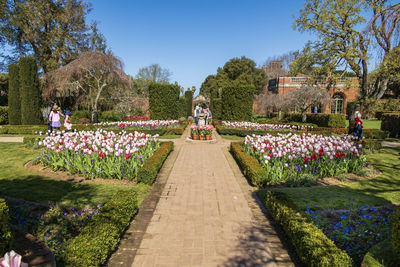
[102, 234]
[381, 255]
[310, 243]
[5, 231]
[148, 172]
[396, 233]
[251, 168]
[391, 123]
[3, 115]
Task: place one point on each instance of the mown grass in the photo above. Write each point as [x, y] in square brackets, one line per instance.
[171, 136]
[19, 182]
[232, 137]
[384, 189]
[372, 124]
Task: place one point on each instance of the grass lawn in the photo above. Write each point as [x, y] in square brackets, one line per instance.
[382, 190]
[232, 137]
[18, 182]
[372, 124]
[170, 136]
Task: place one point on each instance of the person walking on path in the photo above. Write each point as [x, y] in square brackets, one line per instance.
[67, 121]
[54, 117]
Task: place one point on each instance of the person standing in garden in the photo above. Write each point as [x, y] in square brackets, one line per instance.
[67, 121]
[195, 115]
[54, 117]
[358, 125]
[46, 114]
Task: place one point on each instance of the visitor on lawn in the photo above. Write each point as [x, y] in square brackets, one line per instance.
[357, 131]
[67, 121]
[54, 117]
[46, 114]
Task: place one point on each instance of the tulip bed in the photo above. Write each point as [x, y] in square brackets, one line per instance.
[98, 153]
[140, 124]
[257, 126]
[289, 156]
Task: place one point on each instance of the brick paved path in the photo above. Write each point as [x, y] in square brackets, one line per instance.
[204, 218]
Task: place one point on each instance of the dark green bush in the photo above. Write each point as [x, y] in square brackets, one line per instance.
[216, 108]
[163, 101]
[391, 123]
[237, 102]
[189, 103]
[371, 108]
[182, 108]
[80, 114]
[310, 243]
[14, 99]
[23, 129]
[396, 233]
[148, 172]
[30, 93]
[107, 116]
[5, 231]
[320, 119]
[3, 115]
[375, 134]
[251, 168]
[102, 234]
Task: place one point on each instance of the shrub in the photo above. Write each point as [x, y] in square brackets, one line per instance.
[320, 119]
[109, 115]
[216, 108]
[102, 234]
[14, 100]
[5, 231]
[189, 103]
[391, 123]
[310, 243]
[252, 170]
[80, 114]
[237, 102]
[3, 115]
[148, 172]
[163, 101]
[182, 108]
[374, 108]
[396, 233]
[29, 92]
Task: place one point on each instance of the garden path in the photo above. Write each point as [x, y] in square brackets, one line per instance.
[206, 216]
[13, 139]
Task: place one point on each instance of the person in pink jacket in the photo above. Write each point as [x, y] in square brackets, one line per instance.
[55, 116]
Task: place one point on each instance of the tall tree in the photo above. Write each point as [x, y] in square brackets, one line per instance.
[154, 73]
[14, 100]
[55, 30]
[92, 73]
[209, 88]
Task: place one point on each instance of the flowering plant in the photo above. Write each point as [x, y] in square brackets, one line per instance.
[194, 130]
[140, 124]
[135, 118]
[257, 126]
[290, 155]
[98, 154]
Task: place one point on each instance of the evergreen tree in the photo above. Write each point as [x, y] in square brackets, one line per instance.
[189, 100]
[14, 100]
[29, 91]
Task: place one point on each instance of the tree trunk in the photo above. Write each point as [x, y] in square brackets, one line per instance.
[380, 89]
[304, 116]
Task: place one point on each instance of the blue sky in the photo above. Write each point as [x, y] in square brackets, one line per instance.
[192, 38]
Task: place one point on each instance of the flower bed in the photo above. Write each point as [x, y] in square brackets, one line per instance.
[135, 118]
[291, 156]
[203, 132]
[98, 154]
[265, 126]
[354, 230]
[140, 124]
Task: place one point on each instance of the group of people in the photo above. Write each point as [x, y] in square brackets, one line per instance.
[204, 111]
[53, 114]
[355, 123]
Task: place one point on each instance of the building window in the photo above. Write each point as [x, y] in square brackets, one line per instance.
[338, 104]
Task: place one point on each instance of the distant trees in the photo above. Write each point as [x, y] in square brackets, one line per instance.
[275, 102]
[147, 75]
[92, 73]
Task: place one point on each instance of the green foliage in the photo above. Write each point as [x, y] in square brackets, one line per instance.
[240, 132]
[77, 115]
[371, 108]
[396, 234]
[101, 235]
[189, 103]
[216, 108]
[391, 123]
[209, 88]
[312, 246]
[3, 115]
[320, 119]
[237, 102]
[107, 116]
[14, 100]
[29, 91]
[4, 89]
[5, 231]
[148, 172]
[380, 255]
[252, 170]
[163, 101]
[182, 107]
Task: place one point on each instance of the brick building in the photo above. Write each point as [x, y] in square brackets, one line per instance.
[280, 82]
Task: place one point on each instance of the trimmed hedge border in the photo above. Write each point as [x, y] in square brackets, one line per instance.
[102, 234]
[391, 123]
[3, 115]
[148, 172]
[251, 168]
[396, 233]
[310, 243]
[5, 231]
[380, 255]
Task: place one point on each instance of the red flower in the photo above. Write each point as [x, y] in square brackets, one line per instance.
[105, 138]
[269, 154]
[337, 154]
[103, 156]
[342, 154]
[305, 160]
[321, 153]
[127, 156]
[314, 156]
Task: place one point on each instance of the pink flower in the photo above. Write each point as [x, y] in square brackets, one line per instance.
[12, 259]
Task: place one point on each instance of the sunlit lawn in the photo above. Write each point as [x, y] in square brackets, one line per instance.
[372, 124]
[19, 182]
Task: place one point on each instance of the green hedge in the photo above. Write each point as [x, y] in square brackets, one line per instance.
[3, 115]
[106, 116]
[251, 168]
[148, 172]
[371, 108]
[163, 101]
[237, 102]
[102, 234]
[396, 233]
[14, 99]
[310, 243]
[380, 255]
[189, 103]
[80, 114]
[30, 93]
[5, 231]
[216, 108]
[391, 123]
[182, 108]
